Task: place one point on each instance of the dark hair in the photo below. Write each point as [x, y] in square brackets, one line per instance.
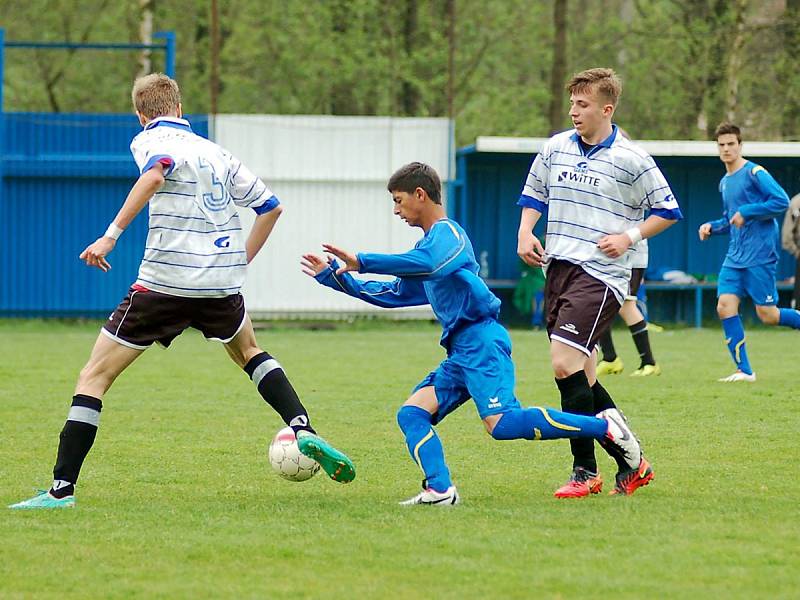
[604, 81]
[417, 175]
[725, 128]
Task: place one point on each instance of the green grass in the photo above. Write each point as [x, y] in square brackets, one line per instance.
[176, 498]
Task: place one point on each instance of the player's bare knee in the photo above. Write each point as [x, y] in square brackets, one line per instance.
[490, 422]
[769, 315]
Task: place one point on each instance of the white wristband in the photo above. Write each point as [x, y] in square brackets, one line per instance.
[113, 231]
[635, 234]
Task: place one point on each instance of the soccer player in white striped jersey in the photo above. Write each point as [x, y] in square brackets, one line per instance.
[193, 267]
[597, 188]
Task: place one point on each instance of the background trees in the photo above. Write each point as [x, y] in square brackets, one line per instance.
[497, 67]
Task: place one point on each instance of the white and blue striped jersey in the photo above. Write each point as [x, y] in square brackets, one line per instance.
[588, 194]
[195, 244]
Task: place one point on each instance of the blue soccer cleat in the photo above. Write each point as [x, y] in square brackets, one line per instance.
[335, 463]
[44, 500]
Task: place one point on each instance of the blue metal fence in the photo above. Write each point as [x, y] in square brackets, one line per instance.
[63, 179]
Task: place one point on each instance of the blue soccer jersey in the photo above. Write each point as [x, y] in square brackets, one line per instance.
[755, 194]
[441, 271]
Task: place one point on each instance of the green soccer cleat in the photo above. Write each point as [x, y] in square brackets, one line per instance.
[44, 500]
[613, 367]
[334, 463]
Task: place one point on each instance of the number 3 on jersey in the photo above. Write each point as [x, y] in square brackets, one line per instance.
[218, 198]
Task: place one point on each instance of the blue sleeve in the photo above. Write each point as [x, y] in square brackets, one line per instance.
[435, 256]
[774, 202]
[386, 294]
[720, 226]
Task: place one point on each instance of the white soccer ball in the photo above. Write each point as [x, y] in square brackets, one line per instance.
[287, 460]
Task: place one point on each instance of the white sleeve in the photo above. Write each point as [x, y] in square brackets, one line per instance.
[249, 191]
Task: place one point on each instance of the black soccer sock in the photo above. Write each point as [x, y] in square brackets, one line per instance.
[607, 346]
[274, 387]
[642, 340]
[577, 398]
[75, 441]
[603, 401]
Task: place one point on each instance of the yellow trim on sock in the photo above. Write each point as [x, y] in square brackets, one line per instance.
[428, 436]
[736, 351]
[555, 424]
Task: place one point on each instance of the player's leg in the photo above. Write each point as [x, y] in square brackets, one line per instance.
[107, 360]
[637, 324]
[490, 379]
[760, 285]
[416, 419]
[274, 387]
[730, 288]
[611, 364]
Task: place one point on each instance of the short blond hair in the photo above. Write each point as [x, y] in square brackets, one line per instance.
[155, 95]
[604, 81]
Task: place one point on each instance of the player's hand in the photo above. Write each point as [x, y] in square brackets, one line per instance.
[349, 259]
[530, 249]
[615, 245]
[737, 220]
[95, 253]
[313, 264]
[704, 232]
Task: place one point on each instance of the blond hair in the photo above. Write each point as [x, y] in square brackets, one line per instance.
[603, 81]
[155, 95]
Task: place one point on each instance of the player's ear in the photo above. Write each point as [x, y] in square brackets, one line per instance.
[180, 110]
[142, 118]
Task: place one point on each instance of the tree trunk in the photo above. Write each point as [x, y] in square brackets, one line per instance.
[735, 60]
[559, 67]
[451, 57]
[213, 83]
[790, 117]
[146, 36]
[409, 96]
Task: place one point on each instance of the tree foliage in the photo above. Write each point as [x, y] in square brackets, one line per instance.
[686, 64]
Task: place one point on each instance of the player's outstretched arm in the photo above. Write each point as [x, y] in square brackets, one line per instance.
[262, 228]
[350, 260]
[386, 294]
[148, 184]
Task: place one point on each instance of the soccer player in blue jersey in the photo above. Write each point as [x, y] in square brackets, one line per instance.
[194, 265]
[752, 202]
[596, 188]
[442, 271]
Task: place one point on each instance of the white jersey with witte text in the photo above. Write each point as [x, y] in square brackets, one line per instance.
[195, 244]
[588, 194]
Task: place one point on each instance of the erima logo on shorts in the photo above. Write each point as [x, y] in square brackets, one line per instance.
[769, 299]
[570, 328]
[494, 402]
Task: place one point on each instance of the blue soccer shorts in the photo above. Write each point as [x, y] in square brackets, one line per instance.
[478, 366]
[757, 282]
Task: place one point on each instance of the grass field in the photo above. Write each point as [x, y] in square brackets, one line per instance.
[176, 498]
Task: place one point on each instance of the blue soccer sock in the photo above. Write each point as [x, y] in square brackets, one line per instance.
[734, 337]
[538, 423]
[424, 446]
[789, 318]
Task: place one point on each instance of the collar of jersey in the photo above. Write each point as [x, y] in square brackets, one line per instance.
[169, 122]
[606, 143]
